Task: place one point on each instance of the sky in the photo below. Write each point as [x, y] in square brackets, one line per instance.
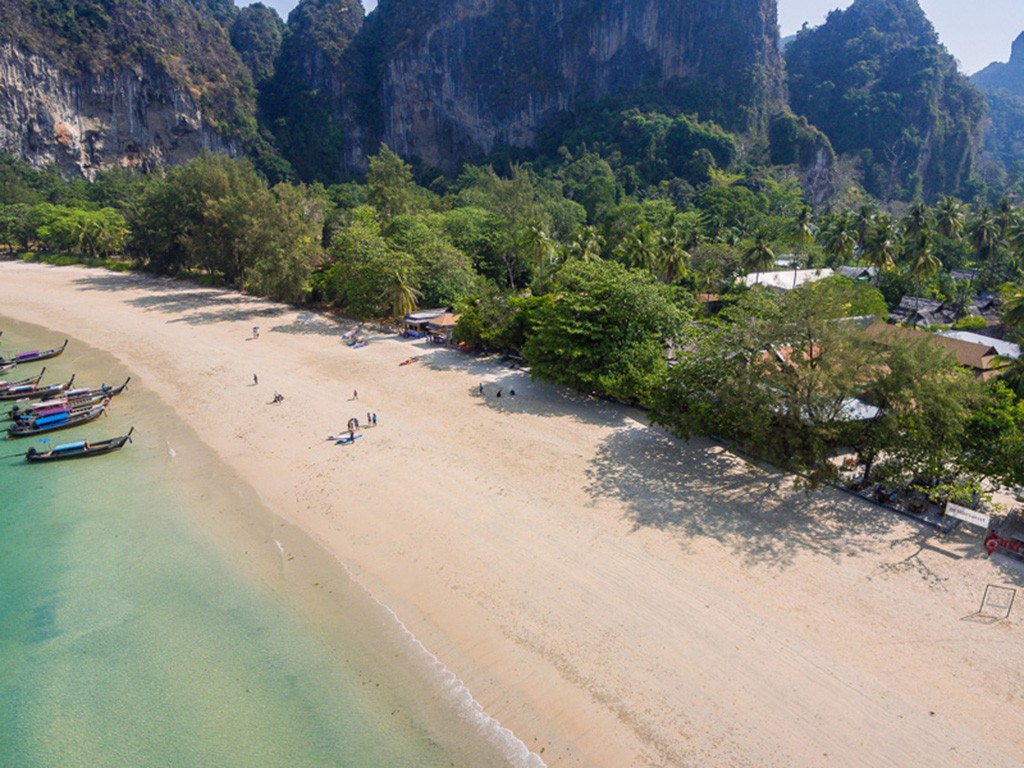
[976, 32]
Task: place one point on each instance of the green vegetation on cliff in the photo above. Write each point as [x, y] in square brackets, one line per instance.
[877, 81]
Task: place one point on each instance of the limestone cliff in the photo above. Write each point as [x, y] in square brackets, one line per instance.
[1008, 76]
[87, 85]
[444, 82]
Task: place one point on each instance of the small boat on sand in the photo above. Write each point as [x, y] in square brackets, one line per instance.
[81, 449]
[347, 440]
[29, 357]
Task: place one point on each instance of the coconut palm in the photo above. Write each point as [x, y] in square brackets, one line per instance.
[534, 240]
[803, 227]
[916, 221]
[841, 240]
[1013, 309]
[675, 259]
[985, 233]
[924, 264]
[587, 245]
[863, 221]
[949, 217]
[403, 296]
[640, 248]
[881, 247]
[759, 256]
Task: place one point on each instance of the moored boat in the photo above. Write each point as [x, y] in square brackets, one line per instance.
[32, 392]
[70, 397]
[30, 381]
[28, 357]
[81, 449]
[57, 421]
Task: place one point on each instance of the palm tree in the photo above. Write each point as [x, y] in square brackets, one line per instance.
[674, 257]
[840, 240]
[863, 221]
[916, 221]
[403, 296]
[949, 217]
[759, 256]
[881, 247]
[803, 227]
[924, 264]
[540, 248]
[587, 245]
[1013, 309]
[986, 233]
[639, 249]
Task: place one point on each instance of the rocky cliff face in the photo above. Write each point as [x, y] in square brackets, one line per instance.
[1009, 76]
[875, 79]
[90, 84]
[134, 116]
[449, 81]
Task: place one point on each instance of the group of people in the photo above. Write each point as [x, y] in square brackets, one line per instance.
[511, 392]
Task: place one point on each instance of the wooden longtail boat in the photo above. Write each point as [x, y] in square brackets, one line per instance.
[82, 449]
[57, 421]
[70, 397]
[28, 357]
[29, 392]
[30, 381]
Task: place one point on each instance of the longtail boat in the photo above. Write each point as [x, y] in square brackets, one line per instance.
[29, 418]
[28, 357]
[70, 397]
[57, 421]
[81, 449]
[31, 392]
[30, 381]
[5, 367]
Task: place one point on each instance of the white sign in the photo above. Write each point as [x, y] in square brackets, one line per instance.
[972, 516]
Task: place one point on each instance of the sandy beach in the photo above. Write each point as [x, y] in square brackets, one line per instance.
[612, 595]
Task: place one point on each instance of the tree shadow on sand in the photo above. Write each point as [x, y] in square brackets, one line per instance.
[698, 488]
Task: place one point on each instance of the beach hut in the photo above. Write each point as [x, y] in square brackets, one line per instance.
[416, 322]
[441, 328]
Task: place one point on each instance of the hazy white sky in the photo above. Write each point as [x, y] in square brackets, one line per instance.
[977, 32]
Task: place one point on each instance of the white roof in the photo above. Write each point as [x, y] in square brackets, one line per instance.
[787, 279]
[1004, 348]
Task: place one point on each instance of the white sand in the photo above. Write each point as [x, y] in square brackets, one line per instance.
[615, 597]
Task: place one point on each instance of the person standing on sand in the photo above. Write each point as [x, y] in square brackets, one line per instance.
[255, 331]
[255, 379]
[367, 418]
[355, 394]
[481, 390]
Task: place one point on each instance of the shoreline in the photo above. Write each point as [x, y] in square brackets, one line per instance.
[611, 595]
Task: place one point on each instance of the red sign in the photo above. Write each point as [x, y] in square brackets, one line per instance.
[993, 542]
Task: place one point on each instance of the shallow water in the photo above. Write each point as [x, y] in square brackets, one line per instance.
[155, 614]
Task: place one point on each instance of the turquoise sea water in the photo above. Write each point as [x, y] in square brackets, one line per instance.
[153, 614]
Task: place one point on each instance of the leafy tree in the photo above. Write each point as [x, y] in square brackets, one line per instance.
[390, 188]
[603, 330]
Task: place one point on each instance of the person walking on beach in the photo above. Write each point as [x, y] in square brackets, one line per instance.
[255, 331]
[255, 379]
[375, 419]
[481, 390]
[355, 394]
[367, 418]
